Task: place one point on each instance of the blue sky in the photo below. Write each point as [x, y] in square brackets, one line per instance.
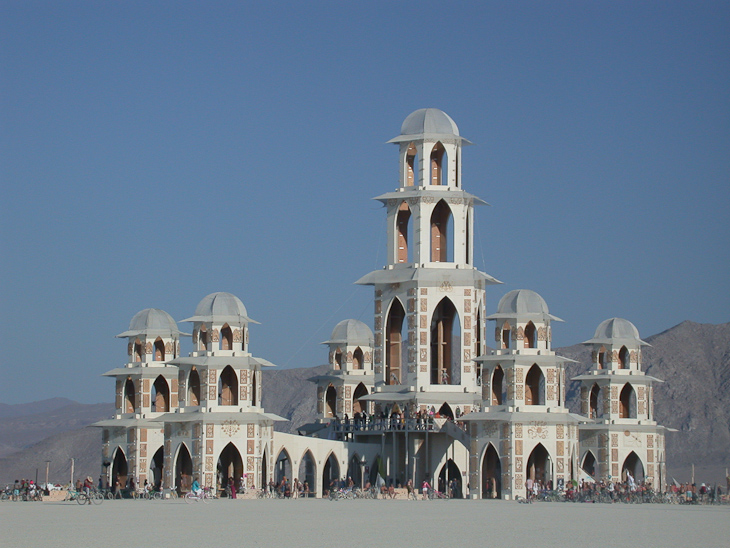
[152, 153]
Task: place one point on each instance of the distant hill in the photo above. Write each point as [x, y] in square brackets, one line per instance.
[693, 359]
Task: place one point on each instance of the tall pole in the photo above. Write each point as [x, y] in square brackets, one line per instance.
[48, 463]
[72, 471]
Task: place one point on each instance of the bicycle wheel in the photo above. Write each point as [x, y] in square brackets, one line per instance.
[81, 498]
[97, 498]
[190, 498]
[156, 495]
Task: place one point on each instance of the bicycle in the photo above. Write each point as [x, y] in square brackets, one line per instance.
[203, 496]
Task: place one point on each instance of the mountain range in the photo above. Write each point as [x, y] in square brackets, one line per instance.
[692, 359]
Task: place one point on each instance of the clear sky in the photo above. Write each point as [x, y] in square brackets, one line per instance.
[152, 153]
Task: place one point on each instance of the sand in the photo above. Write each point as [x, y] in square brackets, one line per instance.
[361, 523]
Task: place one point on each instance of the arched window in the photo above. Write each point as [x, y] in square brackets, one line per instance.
[437, 161]
[478, 343]
[228, 387]
[589, 464]
[357, 359]
[468, 237]
[535, 386]
[595, 409]
[506, 334]
[530, 336]
[394, 347]
[602, 358]
[445, 411]
[411, 165]
[443, 347]
[194, 388]
[226, 338]
[330, 402]
[623, 358]
[137, 351]
[203, 338]
[254, 388]
[130, 399]
[338, 359]
[403, 229]
[159, 350]
[357, 405]
[160, 395]
[441, 219]
[498, 386]
[627, 403]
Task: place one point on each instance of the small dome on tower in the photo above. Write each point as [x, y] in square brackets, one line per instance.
[616, 331]
[428, 123]
[351, 332]
[523, 303]
[151, 321]
[221, 307]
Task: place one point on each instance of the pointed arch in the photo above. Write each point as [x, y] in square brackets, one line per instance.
[491, 473]
[595, 403]
[438, 154]
[445, 411]
[330, 402]
[441, 220]
[445, 335]
[203, 338]
[506, 335]
[308, 471]
[404, 232]
[357, 359]
[539, 465]
[478, 342]
[228, 387]
[194, 387]
[447, 475]
[395, 343]
[499, 387]
[355, 470]
[226, 337]
[265, 468]
[602, 358]
[633, 464]
[411, 165]
[627, 402]
[183, 469]
[159, 351]
[623, 358]
[161, 395]
[535, 386]
[468, 241]
[120, 468]
[357, 405]
[588, 464]
[338, 360]
[157, 467]
[283, 467]
[530, 335]
[130, 397]
[254, 388]
[330, 472]
[137, 353]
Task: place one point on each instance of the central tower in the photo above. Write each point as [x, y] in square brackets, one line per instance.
[429, 298]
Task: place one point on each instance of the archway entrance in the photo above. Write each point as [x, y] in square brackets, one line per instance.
[228, 387]
[355, 471]
[330, 402]
[330, 473]
[283, 467]
[499, 388]
[449, 473]
[445, 411]
[230, 466]
[634, 465]
[491, 474]
[539, 466]
[589, 464]
[183, 470]
[194, 388]
[119, 469]
[308, 472]
[445, 331]
[357, 405]
[265, 470]
[157, 465]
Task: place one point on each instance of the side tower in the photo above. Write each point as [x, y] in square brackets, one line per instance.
[621, 434]
[429, 298]
[146, 388]
[525, 433]
[350, 376]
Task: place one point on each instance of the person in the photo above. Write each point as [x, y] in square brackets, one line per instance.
[195, 488]
[425, 488]
[232, 487]
[295, 488]
[409, 488]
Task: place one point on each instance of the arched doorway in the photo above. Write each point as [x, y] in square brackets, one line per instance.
[283, 467]
[589, 464]
[130, 399]
[394, 347]
[491, 474]
[499, 387]
[445, 411]
[226, 338]
[119, 469]
[228, 387]
[450, 472]
[634, 465]
[623, 358]
[357, 358]
[308, 471]
[157, 465]
[230, 466]
[357, 405]
[595, 406]
[355, 470]
[539, 465]
[441, 232]
[159, 350]
[627, 403]
[530, 336]
[445, 332]
[183, 470]
[160, 395]
[194, 388]
[404, 233]
[265, 469]
[330, 402]
[535, 386]
[330, 473]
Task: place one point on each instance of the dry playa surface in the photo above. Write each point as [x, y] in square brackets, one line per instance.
[375, 523]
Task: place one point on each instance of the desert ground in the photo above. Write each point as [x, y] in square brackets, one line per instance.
[371, 523]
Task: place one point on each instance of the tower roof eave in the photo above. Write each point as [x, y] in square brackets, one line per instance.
[434, 276]
[410, 192]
